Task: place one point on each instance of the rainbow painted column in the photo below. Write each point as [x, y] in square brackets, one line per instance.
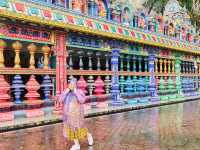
[115, 92]
[152, 83]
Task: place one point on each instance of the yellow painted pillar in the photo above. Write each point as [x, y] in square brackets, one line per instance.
[161, 61]
[32, 48]
[46, 51]
[169, 66]
[165, 66]
[156, 65]
[2, 47]
[173, 66]
[17, 47]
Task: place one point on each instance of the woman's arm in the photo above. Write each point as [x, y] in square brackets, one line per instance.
[80, 96]
[63, 95]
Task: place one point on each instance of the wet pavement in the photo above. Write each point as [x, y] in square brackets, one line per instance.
[171, 127]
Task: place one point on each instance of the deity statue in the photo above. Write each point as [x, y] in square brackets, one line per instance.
[166, 28]
[77, 5]
[189, 37]
[126, 20]
[171, 29]
[160, 24]
[141, 22]
[183, 34]
[101, 8]
[40, 63]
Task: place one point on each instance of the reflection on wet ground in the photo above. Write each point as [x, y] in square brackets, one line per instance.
[172, 127]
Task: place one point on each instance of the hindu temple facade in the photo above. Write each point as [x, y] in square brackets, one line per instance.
[44, 43]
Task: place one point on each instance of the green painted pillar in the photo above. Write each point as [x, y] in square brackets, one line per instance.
[162, 89]
[178, 75]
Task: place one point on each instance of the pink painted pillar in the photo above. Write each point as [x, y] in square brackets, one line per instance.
[61, 74]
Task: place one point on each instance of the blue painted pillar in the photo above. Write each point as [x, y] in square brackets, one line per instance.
[115, 92]
[152, 82]
[108, 14]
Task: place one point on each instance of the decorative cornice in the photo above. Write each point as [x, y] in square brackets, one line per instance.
[53, 17]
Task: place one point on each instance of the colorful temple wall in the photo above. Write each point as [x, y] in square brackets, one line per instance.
[42, 48]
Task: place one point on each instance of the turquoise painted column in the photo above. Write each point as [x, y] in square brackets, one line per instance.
[140, 63]
[134, 63]
[134, 77]
[128, 88]
[122, 80]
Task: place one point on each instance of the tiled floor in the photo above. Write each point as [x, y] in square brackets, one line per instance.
[171, 127]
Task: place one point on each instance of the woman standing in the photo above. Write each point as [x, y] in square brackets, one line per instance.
[73, 115]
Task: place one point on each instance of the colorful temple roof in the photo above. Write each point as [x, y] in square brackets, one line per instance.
[58, 17]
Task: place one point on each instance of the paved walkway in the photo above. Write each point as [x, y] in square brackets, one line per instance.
[102, 109]
[170, 127]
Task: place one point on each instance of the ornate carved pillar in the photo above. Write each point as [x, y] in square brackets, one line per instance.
[61, 74]
[156, 65]
[145, 65]
[169, 66]
[46, 51]
[90, 79]
[161, 62]
[115, 78]
[80, 54]
[140, 63]
[173, 66]
[152, 82]
[107, 78]
[134, 64]
[17, 47]
[122, 81]
[32, 48]
[165, 66]
[98, 61]
[178, 73]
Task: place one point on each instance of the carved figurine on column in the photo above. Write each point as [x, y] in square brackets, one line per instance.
[46, 51]
[2, 47]
[32, 48]
[17, 47]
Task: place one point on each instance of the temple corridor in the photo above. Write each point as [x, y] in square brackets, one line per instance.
[171, 127]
